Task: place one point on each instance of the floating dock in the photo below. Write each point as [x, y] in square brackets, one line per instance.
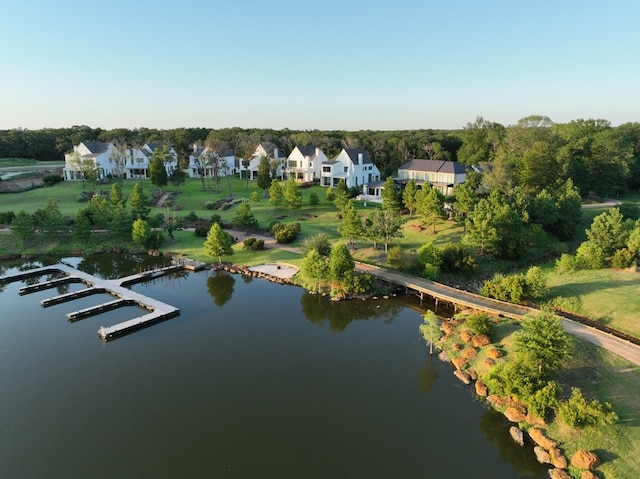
[158, 311]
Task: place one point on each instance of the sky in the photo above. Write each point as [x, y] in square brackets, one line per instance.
[330, 65]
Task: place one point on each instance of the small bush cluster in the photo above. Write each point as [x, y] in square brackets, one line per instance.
[253, 244]
[51, 179]
[579, 412]
[516, 288]
[286, 233]
[6, 217]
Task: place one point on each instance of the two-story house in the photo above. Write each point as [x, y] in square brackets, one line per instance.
[250, 166]
[203, 162]
[305, 163]
[106, 160]
[444, 175]
[353, 165]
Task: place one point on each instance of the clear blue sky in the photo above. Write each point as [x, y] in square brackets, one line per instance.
[348, 64]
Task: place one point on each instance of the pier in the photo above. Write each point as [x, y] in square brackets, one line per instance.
[157, 310]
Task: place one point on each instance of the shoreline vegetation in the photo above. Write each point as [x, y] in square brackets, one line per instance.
[598, 373]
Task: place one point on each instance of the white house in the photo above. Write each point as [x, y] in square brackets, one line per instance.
[204, 161]
[107, 161]
[444, 175]
[353, 165]
[250, 166]
[305, 163]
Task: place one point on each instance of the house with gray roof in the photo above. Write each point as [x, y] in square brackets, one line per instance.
[443, 175]
[353, 165]
[305, 163]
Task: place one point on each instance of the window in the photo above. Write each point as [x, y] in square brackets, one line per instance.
[346, 169]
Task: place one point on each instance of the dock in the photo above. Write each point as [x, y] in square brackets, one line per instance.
[157, 310]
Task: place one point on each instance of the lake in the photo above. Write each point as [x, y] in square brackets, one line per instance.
[252, 380]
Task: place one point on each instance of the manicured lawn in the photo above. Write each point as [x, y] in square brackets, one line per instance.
[611, 297]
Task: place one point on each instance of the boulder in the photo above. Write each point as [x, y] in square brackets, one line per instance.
[473, 374]
[517, 435]
[469, 353]
[489, 362]
[447, 328]
[537, 435]
[559, 474]
[515, 414]
[480, 340]
[462, 376]
[481, 388]
[494, 353]
[558, 459]
[589, 475]
[466, 336]
[444, 357]
[534, 420]
[542, 456]
[459, 362]
[583, 459]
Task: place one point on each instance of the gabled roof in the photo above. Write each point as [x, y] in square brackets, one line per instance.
[353, 153]
[96, 147]
[434, 166]
[309, 150]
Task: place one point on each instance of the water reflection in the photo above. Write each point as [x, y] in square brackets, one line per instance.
[117, 265]
[220, 286]
[429, 374]
[495, 428]
[319, 309]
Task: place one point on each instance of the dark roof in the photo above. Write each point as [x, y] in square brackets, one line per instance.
[434, 166]
[308, 150]
[153, 146]
[96, 147]
[353, 154]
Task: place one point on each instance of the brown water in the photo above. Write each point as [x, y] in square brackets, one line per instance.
[253, 380]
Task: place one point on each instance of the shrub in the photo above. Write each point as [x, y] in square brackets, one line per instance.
[216, 218]
[192, 216]
[565, 264]
[403, 260]
[202, 230]
[579, 412]
[544, 399]
[7, 217]
[331, 195]
[358, 283]
[253, 244]
[589, 256]
[318, 242]
[313, 199]
[154, 240]
[286, 233]
[456, 259]
[623, 258]
[209, 205]
[52, 179]
[479, 323]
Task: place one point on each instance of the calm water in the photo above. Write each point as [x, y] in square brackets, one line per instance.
[253, 380]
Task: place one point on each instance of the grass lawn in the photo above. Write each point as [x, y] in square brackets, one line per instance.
[609, 296]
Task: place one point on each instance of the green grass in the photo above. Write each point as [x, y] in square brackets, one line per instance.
[7, 162]
[612, 297]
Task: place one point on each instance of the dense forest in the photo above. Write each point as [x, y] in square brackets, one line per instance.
[535, 153]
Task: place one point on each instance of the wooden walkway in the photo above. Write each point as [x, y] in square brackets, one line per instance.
[441, 292]
[158, 311]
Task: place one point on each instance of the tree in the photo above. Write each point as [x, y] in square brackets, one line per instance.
[341, 265]
[430, 206]
[409, 196]
[608, 232]
[264, 175]
[318, 242]
[384, 226]
[430, 329]
[172, 222]
[276, 195]
[116, 196]
[218, 243]
[390, 196]
[350, 226]
[315, 268]
[52, 221]
[480, 229]
[569, 216]
[23, 226]
[292, 194]
[177, 177]
[118, 157]
[244, 218]
[341, 194]
[215, 157]
[138, 202]
[543, 342]
[157, 168]
[140, 232]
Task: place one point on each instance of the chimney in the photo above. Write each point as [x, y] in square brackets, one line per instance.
[275, 153]
[360, 158]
